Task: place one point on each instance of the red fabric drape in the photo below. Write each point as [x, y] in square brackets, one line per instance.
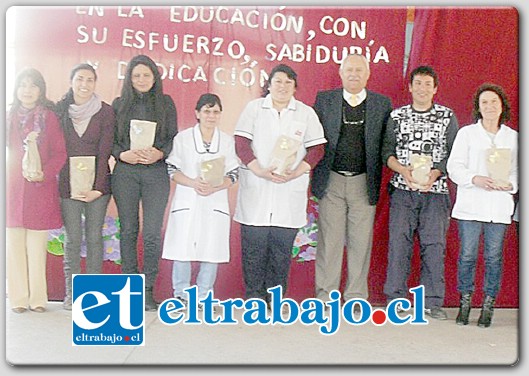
[467, 47]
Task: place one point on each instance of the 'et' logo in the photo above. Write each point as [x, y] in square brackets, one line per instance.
[108, 309]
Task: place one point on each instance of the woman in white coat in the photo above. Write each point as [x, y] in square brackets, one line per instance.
[482, 204]
[272, 204]
[198, 227]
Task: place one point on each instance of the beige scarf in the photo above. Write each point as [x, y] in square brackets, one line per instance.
[81, 114]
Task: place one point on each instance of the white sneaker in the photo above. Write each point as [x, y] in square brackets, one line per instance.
[436, 313]
[184, 301]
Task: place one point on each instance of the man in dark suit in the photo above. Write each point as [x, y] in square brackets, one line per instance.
[347, 179]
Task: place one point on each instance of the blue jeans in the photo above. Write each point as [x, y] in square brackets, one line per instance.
[182, 278]
[469, 235]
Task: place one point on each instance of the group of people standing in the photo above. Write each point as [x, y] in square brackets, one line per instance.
[342, 144]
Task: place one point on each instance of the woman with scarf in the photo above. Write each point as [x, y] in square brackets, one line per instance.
[32, 196]
[88, 127]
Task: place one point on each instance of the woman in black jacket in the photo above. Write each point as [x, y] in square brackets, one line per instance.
[140, 175]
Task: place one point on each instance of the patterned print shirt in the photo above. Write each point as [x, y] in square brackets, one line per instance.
[422, 133]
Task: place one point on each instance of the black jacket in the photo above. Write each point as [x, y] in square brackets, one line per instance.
[328, 106]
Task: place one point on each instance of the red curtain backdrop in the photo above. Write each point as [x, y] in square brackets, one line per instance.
[468, 47]
[224, 50]
[228, 50]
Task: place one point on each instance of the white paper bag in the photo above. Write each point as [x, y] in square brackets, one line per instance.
[142, 133]
[499, 165]
[212, 171]
[421, 167]
[31, 163]
[284, 154]
[82, 175]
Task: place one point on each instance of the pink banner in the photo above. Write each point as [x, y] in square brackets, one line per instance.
[225, 50]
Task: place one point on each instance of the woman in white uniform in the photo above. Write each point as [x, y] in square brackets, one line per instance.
[483, 206]
[271, 205]
[198, 227]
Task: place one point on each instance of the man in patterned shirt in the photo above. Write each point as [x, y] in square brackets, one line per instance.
[427, 130]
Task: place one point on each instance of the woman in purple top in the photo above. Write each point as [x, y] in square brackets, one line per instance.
[32, 201]
[88, 126]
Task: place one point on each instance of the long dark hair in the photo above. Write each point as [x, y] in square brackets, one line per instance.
[129, 94]
[64, 104]
[505, 106]
[36, 77]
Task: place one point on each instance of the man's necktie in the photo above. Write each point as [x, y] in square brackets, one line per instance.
[352, 100]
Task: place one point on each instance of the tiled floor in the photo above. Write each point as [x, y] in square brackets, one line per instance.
[46, 338]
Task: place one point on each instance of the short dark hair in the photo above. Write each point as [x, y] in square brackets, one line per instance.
[424, 70]
[284, 69]
[209, 100]
[506, 107]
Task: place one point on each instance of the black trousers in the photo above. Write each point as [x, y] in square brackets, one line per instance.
[428, 215]
[132, 184]
[266, 258]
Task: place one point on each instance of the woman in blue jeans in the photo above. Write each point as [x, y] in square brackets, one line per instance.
[483, 204]
[140, 175]
[88, 127]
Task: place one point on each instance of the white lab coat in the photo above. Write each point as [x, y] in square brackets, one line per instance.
[198, 227]
[468, 159]
[261, 202]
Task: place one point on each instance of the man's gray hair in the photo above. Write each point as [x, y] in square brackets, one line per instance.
[354, 54]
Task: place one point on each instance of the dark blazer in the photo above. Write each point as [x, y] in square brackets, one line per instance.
[328, 106]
